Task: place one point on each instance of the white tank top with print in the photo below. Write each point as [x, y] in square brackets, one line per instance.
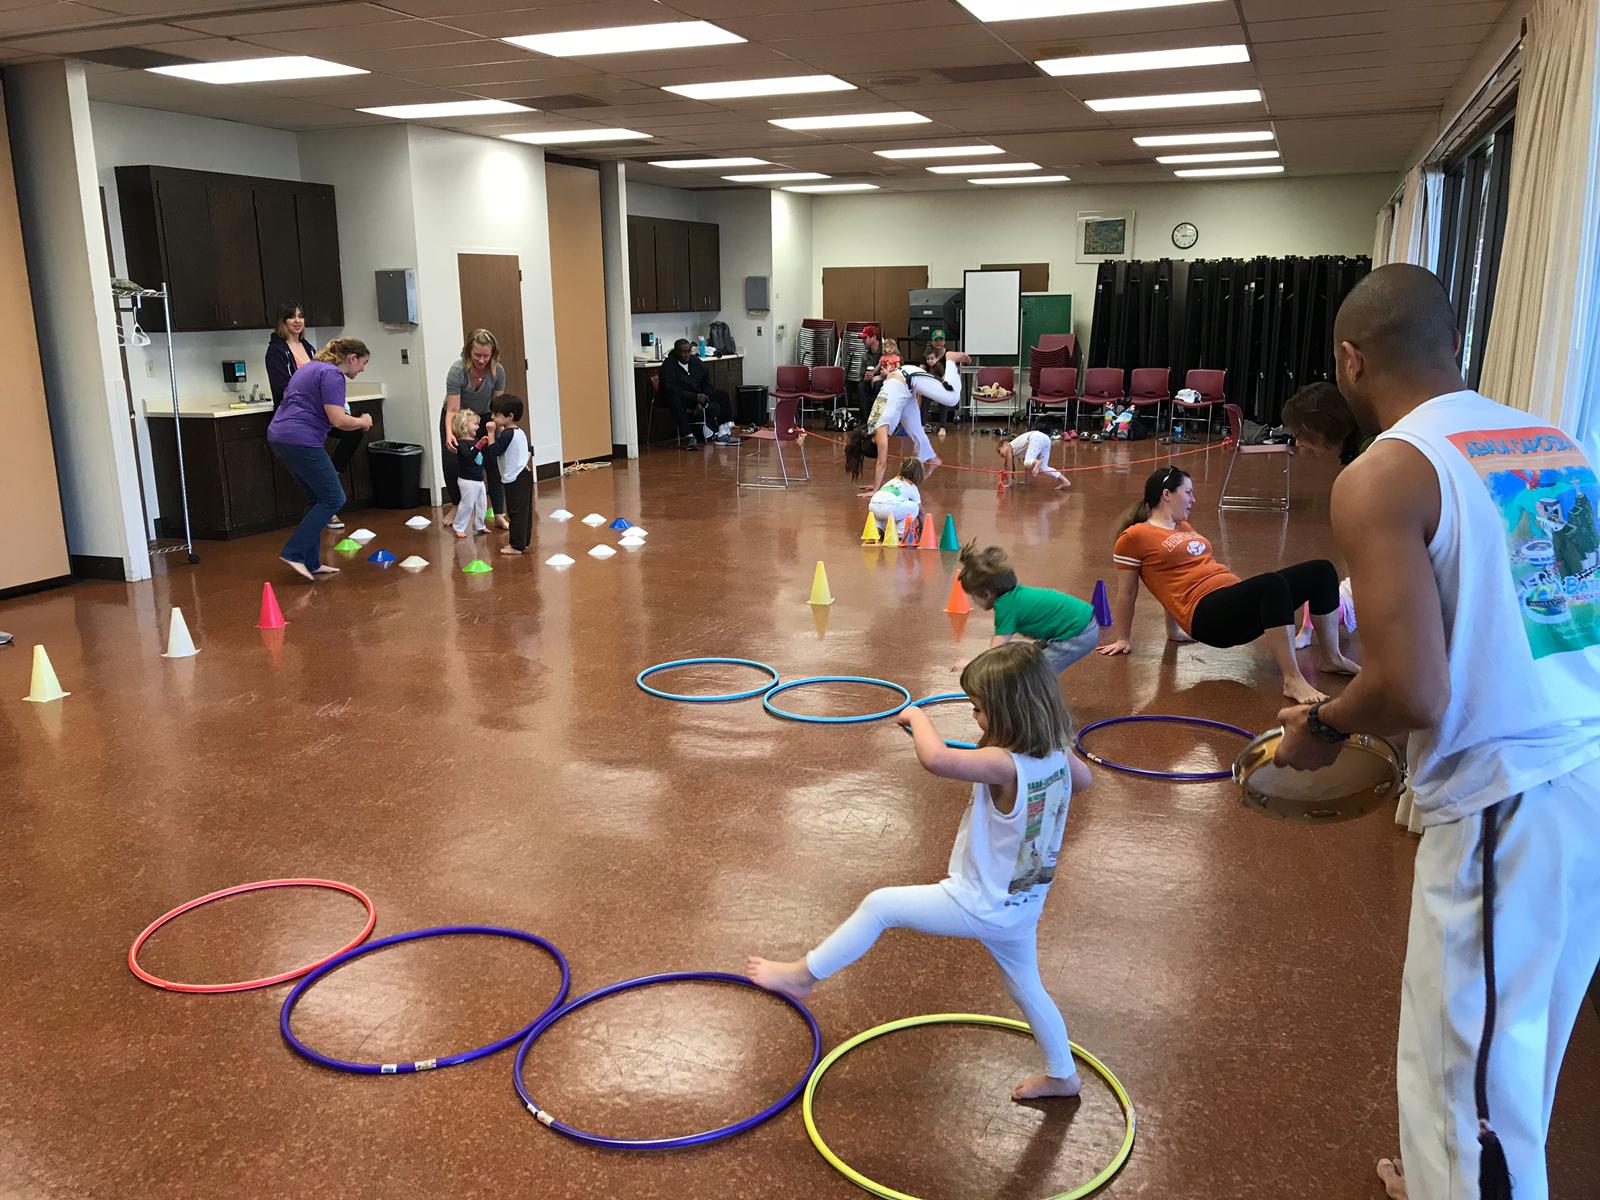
[1002, 864]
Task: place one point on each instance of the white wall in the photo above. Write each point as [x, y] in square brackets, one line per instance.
[48, 106]
[953, 230]
[744, 220]
[126, 137]
[477, 195]
[796, 276]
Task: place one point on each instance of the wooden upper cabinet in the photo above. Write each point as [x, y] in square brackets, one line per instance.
[705, 268]
[642, 265]
[181, 226]
[278, 230]
[672, 267]
[236, 273]
[322, 291]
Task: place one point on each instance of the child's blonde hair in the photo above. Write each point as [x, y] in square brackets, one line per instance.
[911, 471]
[986, 572]
[461, 423]
[1021, 698]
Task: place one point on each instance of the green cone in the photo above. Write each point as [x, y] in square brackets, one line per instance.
[489, 516]
[949, 541]
[477, 567]
[347, 546]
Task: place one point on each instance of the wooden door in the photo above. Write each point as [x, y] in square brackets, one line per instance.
[578, 295]
[237, 266]
[191, 253]
[847, 295]
[278, 241]
[672, 266]
[891, 288]
[491, 298]
[318, 220]
[705, 268]
[642, 265]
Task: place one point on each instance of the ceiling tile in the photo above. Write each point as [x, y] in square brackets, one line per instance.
[388, 36]
[324, 16]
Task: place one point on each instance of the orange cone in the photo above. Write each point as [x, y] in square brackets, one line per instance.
[958, 602]
[930, 540]
[271, 614]
[908, 535]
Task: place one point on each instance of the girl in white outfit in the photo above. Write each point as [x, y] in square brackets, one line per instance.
[900, 405]
[1034, 447]
[899, 498]
[1004, 857]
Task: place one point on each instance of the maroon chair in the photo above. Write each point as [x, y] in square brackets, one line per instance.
[794, 381]
[1004, 378]
[1150, 387]
[785, 431]
[1101, 386]
[1058, 388]
[1236, 432]
[1210, 384]
[827, 385]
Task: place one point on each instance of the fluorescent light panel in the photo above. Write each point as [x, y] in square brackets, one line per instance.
[1033, 10]
[1204, 139]
[781, 177]
[940, 152]
[834, 187]
[448, 108]
[1001, 182]
[1145, 60]
[709, 164]
[1206, 172]
[1235, 156]
[1177, 100]
[788, 85]
[563, 137]
[847, 120]
[626, 39]
[975, 168]
[258, 70]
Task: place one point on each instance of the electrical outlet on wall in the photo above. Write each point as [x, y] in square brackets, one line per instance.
[150, 368]
[758, 331]
[405, 358]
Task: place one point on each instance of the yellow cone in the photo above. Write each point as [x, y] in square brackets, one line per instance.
[819, 587]
[179, 643]
[46, 687]
[869, 534]
[891, 539]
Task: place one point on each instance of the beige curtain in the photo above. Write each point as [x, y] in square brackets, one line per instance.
[1383, 237]
[1547, 265]
[1414, 221]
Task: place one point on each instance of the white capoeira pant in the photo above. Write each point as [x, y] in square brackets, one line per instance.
[901, 405]
[1033, 448]
[1546, 948]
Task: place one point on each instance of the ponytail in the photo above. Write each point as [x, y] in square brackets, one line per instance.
[1167, 479]
[339, 349]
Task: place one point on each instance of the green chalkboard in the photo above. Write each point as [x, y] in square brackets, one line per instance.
[1042, 313]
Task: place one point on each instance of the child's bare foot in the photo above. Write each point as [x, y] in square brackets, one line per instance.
[509, 550]
[480, 529]
[1393, 1178]
[298, 568]
[1043, 1087]
[325, 569]
[459, 534]
[503, 522]
[1301, 692]
[1335, 663]
[790, 979]
[1064, 484]
[930, 467]
[1176, 634]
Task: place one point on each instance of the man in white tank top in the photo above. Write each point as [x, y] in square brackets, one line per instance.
[1471, 535]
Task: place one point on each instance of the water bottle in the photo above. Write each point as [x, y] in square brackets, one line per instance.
[1177, 431]
[702, 346]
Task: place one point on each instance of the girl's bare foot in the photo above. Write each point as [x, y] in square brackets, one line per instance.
[930, 467]
[459, 534]
[503, 522]
[509, 550]
[1043, 1087]
[790, 979]
[449, 515]
[1064, 484]
[299, 569]
[1393, 1178]
[1301, 692]
[1335, 663]
[1176, 634]
[325, 569]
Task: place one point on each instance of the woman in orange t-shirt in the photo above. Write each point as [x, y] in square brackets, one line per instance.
[1206, 602]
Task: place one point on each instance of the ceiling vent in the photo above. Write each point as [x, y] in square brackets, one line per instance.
[989, 74]
[132, 58]
[566, 101]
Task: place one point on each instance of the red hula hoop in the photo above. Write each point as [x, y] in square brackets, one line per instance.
[248, 984]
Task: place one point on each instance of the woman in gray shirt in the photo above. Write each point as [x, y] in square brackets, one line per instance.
[473, 382]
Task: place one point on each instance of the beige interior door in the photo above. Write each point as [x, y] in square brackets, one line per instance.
[491, 298]
[578, 295]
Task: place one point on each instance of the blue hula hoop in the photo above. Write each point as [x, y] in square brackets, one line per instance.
[694, 662]
[427, 1064]
[1171, 776]
[766, 701]
[946, 698]
[669, 1143]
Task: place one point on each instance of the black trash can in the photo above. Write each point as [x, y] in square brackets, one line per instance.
[752, 404]
[396, 473]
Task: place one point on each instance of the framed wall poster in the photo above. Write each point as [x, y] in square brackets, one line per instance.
[1104, 235]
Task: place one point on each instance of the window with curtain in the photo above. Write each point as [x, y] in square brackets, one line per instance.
[1472, 232]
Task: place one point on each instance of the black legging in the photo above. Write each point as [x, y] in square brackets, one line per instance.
[1242, 612]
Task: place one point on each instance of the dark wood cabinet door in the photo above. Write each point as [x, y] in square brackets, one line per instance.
[323, 286]
[278, 243]
[236, 268]
[705, 269]
[642, 265]
[247, 471]
[672, 266]
[184, 212]
[290, 499]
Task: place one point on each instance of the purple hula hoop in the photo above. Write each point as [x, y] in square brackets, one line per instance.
[670, 1143]
[1172, 776]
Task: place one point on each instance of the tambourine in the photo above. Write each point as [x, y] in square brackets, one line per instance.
[1367, 773]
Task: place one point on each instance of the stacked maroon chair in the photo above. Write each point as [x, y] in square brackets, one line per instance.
[1058, 388]
[1053, 350]
[1102, 386]
[1150, 387]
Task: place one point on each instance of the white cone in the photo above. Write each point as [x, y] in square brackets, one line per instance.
[601, 552]
[179, 643]
[631, 542]
[418, 523]
[561, 514]
[362, 535]
[414, 563]
[635, 531]
[559, 560]
[594, 519]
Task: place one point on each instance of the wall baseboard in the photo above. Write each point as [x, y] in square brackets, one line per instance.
[544, 471]
[97, 566]
[41, 585]
[618, 450]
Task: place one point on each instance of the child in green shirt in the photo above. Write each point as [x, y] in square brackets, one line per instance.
[1063, 625]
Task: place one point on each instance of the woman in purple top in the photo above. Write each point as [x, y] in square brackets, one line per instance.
[313, 404]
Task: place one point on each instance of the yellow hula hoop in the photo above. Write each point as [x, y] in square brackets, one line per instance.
[888, 1193]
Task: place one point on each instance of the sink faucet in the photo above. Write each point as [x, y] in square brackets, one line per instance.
[255, 394]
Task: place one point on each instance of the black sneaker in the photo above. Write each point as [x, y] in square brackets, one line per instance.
[725, 439]
[691, 443]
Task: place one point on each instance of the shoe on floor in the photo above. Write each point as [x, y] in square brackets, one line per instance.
[336, 523]
[691, 443]
[725, 439]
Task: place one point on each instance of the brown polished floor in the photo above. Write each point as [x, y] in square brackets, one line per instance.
[473, 750]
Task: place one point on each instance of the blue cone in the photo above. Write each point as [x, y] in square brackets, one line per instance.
[621, 523]
[1102, 605]
[382, 557]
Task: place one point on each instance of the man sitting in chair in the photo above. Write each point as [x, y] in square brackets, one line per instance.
[685, 385]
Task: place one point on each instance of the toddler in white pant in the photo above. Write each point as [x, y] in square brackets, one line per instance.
[474, 506]
[1005, 853]
[1034, 447]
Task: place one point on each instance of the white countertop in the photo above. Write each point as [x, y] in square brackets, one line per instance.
[656, 362]
[236, 404]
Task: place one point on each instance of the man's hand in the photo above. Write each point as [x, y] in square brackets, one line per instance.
[1300, 748]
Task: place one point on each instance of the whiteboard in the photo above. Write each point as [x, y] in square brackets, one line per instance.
[991, 318]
